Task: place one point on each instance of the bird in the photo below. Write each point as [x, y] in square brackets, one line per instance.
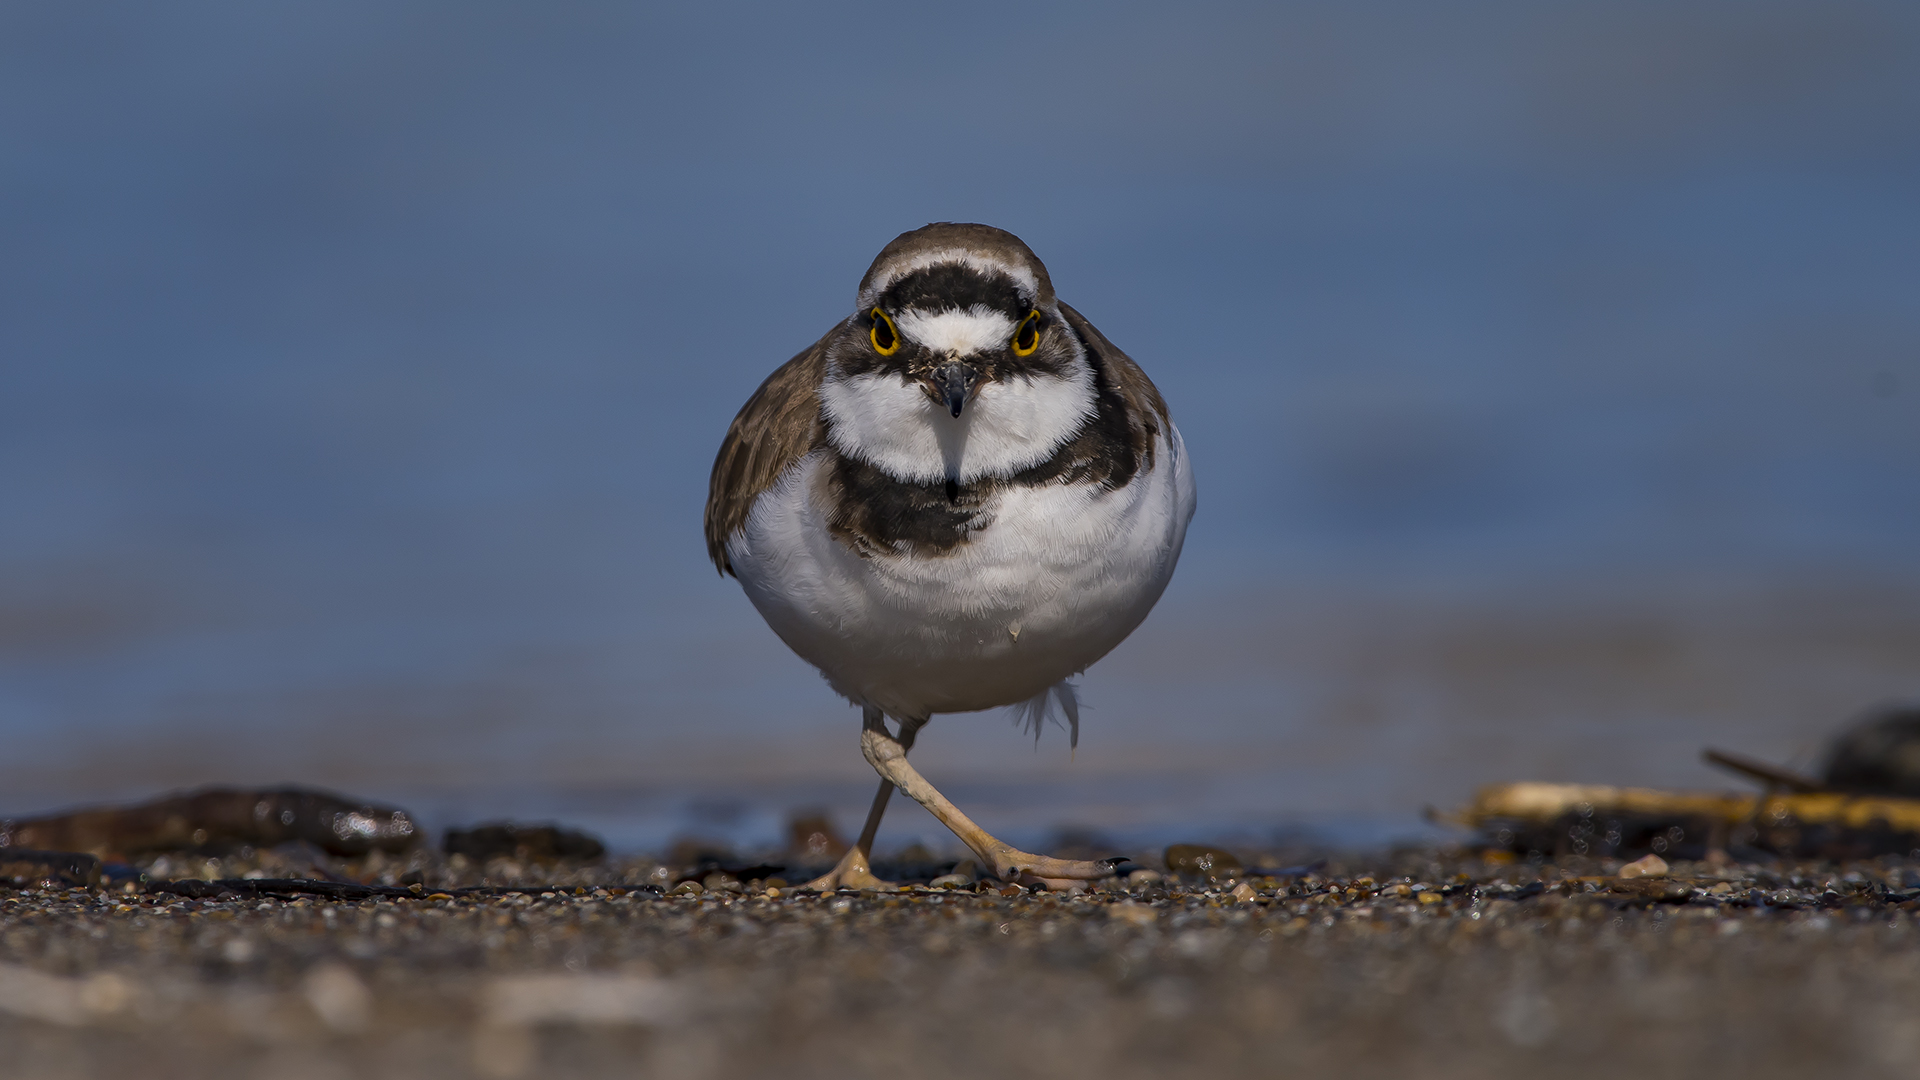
[957, 499]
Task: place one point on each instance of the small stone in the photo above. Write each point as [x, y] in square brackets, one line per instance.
[1133, 914]
[812, 836]
[337, 995]
[1243, 892]
[1209, 862]
[687, 888]
[1650, 866]
[950, 881]
[1144, 877]
[105, 994]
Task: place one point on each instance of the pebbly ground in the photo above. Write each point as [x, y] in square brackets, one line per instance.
[1414, 964]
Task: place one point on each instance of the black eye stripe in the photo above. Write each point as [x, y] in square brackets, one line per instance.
[947, 286]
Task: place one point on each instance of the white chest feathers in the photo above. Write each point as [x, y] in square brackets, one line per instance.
[1063, 574]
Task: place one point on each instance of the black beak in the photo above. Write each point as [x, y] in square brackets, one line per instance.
[954, 381]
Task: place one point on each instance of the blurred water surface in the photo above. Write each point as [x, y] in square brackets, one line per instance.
[1552, 373]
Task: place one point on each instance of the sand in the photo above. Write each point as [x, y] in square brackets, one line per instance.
[1417, 963]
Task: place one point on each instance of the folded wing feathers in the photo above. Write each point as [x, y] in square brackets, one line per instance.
[774, 429]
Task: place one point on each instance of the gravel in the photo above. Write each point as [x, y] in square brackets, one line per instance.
[1419, 963]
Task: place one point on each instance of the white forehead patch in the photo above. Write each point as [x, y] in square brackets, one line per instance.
[960, 332]
[1023, 278]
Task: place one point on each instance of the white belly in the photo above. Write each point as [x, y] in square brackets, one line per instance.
[1060, 576]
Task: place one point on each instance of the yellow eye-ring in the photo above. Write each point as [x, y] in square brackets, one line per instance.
[886, 339]
[1026, 336]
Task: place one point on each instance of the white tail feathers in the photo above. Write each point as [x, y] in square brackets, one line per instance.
[1034, 713]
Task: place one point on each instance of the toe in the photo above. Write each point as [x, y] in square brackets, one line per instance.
[1018, 866]
[849, 875]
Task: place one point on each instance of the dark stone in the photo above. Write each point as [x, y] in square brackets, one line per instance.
[737, 871]
[333, 890]
[284, 888]
[1199, 860]
[699, 851]
[536, 843]
[1079, 843]
[1880, 755]
[217, 819]
[23, 868]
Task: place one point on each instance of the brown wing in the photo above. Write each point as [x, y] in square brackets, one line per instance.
[775, 428]
[1146, 410]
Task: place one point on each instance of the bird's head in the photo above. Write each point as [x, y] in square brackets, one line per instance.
[956, 363]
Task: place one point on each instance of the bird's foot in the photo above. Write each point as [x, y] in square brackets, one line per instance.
[1011, 864]
[851, 872]
[889, 758]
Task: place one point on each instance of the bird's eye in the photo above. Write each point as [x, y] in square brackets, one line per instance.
[1026, 336]
[886, 339]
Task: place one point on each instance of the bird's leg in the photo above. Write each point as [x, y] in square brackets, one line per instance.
[855, 870]
[889, 758]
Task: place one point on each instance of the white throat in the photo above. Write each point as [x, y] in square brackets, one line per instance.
[892, 424]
